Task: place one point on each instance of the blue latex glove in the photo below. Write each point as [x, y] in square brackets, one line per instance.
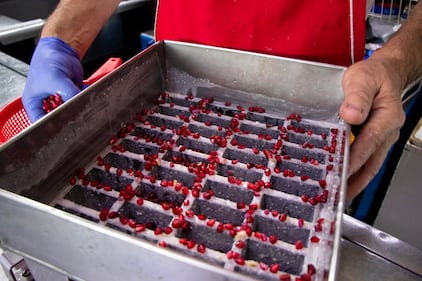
[55, 68]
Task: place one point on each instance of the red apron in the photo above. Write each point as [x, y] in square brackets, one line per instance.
[316, 30]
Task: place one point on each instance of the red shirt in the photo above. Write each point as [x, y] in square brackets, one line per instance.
[316, 30]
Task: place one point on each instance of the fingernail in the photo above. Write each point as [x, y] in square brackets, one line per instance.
[349, 106]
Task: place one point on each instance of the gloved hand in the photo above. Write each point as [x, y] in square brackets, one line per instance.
[55, 68]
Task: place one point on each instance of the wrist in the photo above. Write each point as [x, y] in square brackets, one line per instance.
[395, 65]
[58, 44]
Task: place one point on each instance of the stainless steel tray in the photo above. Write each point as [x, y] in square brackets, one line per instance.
[37, 164]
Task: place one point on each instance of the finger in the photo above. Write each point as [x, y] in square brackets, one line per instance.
[359, 180]
[67, 90]
[359, 92]
[383, 126]
[33, 107]
[35, 114]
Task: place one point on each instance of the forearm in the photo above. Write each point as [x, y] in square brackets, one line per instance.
[77, 22]
[404, 49]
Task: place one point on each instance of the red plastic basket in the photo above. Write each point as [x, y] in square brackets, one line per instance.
[13, 117]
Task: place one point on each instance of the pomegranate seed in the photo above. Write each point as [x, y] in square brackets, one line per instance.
[240, 205]
[311, 269]
[140, 228]
[318, 227]
[304, 177]
[282, 217]
[322, 183]
[232, 255]
[195, 193]
[158, 231]
[300, 222]
[285, 277]
[201, 248]
[132, 223]
[162, 244]
[123, 220]
[299, 245]
[268, 184]
[273, 239]
[190, 213]
[274, 268]
[240, 244]
[253, 206]
[202, 217]
[263, 266]
[51, 102]
[177, 223]
[207, 195]
[140, 201]
[72, 180]
[185, 191]
[211, 222]
[113, 140]
[305, 277]
[315, 239]
[191, 244]
[228, 226]
[166, 206]
[177, 210]
[240, 261]
[168, 230]
[178, 186]
[104, 214]
[113, 215]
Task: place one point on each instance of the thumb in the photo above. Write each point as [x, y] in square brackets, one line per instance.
[35, 113]
[359, 92]
[68, 89]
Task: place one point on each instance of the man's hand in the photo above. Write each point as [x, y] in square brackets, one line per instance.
[55, 68]
[372, 91]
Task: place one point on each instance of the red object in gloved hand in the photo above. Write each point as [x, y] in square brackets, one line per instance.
[53, 101]
[55, 68]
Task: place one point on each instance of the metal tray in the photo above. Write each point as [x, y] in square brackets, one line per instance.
[37, 164]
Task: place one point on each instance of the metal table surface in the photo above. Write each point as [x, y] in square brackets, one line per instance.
[12, 78]
[366, 252]
[370, 254]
